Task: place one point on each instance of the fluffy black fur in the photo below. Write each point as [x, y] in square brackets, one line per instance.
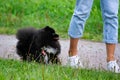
[32, 42]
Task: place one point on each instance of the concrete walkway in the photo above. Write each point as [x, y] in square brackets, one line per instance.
[92, 54]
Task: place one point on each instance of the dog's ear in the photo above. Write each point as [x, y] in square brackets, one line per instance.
[47, 28]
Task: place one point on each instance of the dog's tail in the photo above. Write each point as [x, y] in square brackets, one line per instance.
[25, 37]
[25, 34]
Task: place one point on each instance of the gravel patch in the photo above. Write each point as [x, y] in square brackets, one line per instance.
[92, 54]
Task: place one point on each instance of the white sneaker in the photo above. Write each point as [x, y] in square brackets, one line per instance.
[113, 66]
[74, 62]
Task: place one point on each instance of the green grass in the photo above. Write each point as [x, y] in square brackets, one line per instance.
[17, 70]
[38, 13]
[15, 14]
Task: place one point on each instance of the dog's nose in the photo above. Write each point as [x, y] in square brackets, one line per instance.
[55, 36]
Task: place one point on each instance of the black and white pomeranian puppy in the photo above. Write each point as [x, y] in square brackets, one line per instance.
[38, 45]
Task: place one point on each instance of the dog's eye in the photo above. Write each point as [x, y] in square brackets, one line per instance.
[53, 34]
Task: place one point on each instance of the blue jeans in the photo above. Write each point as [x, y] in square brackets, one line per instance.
[109, 10]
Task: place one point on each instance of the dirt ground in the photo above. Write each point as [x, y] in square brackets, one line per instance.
[92, 54]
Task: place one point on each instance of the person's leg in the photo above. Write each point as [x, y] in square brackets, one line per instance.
[109, 12]
[73, 46]
[80, 15]
[110, 48]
